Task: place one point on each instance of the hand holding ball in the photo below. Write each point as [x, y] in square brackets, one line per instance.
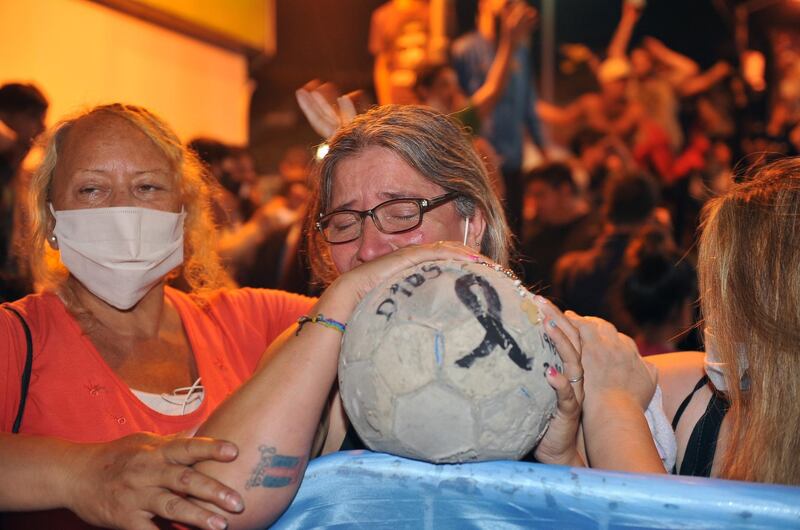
[445, 363]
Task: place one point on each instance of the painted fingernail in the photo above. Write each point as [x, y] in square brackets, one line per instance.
[229, 450]
[539, 299]
[217, 523]
[234, 502]
[475, 258]
[552, 371]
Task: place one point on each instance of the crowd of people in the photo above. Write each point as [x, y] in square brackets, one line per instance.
[149, 377]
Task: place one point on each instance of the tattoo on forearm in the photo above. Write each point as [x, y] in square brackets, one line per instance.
[274, 470]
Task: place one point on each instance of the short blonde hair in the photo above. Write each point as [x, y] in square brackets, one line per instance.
[437, 147]
[201, 267]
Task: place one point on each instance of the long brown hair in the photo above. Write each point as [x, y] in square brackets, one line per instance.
[749, 271]
[433, 144]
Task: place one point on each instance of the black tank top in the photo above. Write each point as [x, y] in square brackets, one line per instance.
[699, 455]
[352, 440]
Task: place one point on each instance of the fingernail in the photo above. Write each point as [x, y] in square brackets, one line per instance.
[539, 299]
[234, 502]
[217, 523]
[229, 450]
[475, 258]
[552, 371]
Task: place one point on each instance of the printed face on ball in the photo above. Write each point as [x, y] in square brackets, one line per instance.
[375, 175]
[446, 363]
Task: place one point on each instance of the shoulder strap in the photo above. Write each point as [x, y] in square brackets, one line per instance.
[26, 373]
[685, 403]
[702, 445]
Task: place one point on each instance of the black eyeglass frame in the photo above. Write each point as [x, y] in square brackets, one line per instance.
[425, 205]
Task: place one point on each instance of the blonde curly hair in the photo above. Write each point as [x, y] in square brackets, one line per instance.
[201, 268]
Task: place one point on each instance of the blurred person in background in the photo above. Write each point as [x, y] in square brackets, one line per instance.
[656, 292]
[598, 157]
[399, 41]
[437, 86]
[614, 110]
[563, 222]
[279, 261]
[294, 168]
[515, 114]
[582, 280]
[23, 109]
[241, 235]
[239, 177]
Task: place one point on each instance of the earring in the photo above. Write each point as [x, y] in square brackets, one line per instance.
[53, 238]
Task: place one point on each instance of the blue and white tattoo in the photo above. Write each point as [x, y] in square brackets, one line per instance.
[274, 470]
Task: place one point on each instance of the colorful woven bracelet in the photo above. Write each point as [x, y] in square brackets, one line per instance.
[320, 319]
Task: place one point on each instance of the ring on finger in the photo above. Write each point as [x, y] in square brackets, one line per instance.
[575, 379]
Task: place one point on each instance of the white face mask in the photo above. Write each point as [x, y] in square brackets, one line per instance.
[119, 253]
[715, 370]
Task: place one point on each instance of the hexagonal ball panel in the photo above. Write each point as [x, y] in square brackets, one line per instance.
[435, 424]
[406, 357]
[367, 400]
[512, 421]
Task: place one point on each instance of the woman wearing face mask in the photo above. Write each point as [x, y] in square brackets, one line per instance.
[118, 206]
[735, 408]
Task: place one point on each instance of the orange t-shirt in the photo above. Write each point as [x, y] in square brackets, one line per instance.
[74, 394]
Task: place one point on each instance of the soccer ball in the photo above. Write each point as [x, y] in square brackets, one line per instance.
[445, 363]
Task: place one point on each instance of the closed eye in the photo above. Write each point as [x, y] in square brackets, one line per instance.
[403, 217]
[88, 190]
[343, 224]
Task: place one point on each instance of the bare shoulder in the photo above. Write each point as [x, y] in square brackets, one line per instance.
[678, 373]
[678, 362]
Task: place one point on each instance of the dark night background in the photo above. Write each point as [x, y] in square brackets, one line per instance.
[327, 39]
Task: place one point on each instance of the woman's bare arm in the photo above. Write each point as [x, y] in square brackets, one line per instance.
[273, 418]
[618, 386]
[120, 484]
[517, 22]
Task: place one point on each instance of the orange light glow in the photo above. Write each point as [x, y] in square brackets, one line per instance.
[82, 54]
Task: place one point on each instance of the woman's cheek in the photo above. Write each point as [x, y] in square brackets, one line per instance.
[417, 238]
[342, 257]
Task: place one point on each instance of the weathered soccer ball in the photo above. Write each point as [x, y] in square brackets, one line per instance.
[445, 363]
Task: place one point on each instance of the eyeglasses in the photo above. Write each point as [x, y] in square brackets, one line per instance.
[391, 217]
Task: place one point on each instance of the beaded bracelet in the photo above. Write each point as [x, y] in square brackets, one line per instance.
[320, 319]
